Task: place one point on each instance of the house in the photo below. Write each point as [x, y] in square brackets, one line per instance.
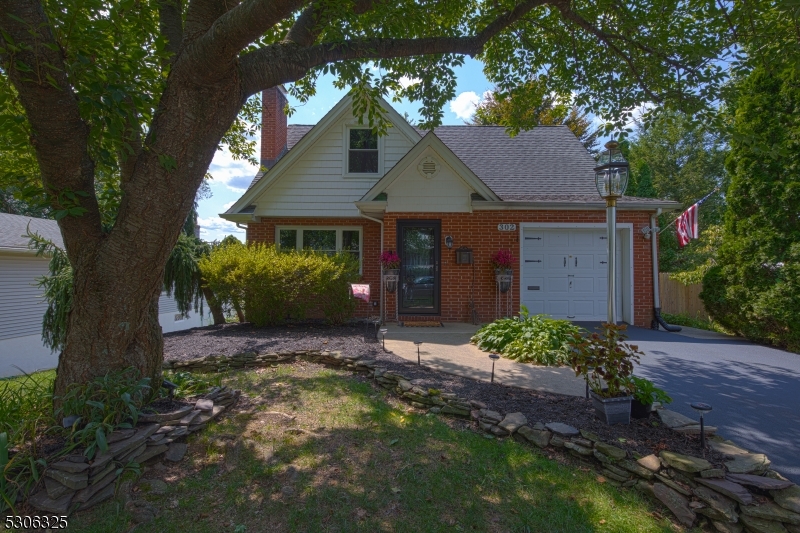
[22, 305]
[426, 194]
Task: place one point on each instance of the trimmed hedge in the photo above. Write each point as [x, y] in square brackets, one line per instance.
[275, 285]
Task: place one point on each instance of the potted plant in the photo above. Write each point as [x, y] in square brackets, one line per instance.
[502, 261]
[605, 361]
[645, 393]
[390, 262]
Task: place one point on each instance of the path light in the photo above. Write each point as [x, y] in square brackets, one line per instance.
[418, 343]
[383, 334]
[702, 408]
[611, 179]
[494, 357]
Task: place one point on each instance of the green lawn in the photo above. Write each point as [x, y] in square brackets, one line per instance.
[317, 450]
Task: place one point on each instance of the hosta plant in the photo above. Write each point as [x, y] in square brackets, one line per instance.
[605, 360]
[528, 338]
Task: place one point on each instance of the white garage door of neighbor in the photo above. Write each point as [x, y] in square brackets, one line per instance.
[565, 273]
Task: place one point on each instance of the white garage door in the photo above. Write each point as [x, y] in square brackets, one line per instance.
[564, 273]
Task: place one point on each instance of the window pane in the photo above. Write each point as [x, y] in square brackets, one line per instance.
[287, 239]
[363, 139]
[363, 161]
[323, 240]
[350, 241]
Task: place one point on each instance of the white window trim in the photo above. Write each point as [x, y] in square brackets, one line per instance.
[339, 230]
[346, 127]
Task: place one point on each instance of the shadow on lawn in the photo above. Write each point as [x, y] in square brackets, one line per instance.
[350, 461]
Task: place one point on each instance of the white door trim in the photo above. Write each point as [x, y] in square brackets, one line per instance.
[626, 313]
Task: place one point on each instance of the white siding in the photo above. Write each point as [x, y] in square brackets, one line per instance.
[314, 186]
[21, 305]
[412, 192]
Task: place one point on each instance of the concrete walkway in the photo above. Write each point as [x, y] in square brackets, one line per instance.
[448, 350]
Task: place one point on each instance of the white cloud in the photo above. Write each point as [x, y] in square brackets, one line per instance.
[236, 175]
[464, 105]
[216, 228]
[407, 82]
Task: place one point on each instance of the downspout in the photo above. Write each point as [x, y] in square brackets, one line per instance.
[656, 294]
[381, 277]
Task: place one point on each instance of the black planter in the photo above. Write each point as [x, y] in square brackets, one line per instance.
[640, 410]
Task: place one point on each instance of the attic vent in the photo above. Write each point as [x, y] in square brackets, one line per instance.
[428, 167]
[249, 209]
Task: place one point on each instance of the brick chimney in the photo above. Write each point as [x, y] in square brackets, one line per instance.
[273, 125]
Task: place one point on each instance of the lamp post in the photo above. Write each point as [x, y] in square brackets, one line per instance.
[611, 179]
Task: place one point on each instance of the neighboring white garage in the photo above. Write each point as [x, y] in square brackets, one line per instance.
[565, 274]
[21, 304]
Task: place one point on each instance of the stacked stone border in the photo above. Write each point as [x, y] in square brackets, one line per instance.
[74, 483]
[743, 495]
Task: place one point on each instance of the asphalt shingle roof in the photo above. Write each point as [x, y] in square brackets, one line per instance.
[13, 227]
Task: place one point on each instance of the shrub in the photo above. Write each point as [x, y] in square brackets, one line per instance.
[605, 360]
[646, 392]
[275, 285]
[528, 338]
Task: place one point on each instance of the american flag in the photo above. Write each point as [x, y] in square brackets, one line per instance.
[686, 224]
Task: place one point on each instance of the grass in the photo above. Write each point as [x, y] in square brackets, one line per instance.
[683, 319]
[319, 450]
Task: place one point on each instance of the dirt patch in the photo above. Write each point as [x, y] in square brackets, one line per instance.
[643, 436]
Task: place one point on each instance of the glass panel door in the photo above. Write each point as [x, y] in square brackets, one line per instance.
[418, 243]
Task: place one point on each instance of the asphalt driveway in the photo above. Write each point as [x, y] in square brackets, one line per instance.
[754, 390]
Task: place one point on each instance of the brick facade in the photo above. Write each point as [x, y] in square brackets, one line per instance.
[273, 126]
[477, 230]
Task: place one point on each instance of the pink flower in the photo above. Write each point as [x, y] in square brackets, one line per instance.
[502, 259]
[390, 260]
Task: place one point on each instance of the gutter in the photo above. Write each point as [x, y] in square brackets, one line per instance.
[573, 206]
[656, 290]
[381, 277]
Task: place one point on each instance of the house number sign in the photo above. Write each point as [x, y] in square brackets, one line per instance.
[507, 227]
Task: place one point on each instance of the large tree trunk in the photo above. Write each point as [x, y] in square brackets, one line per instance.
[214, 306]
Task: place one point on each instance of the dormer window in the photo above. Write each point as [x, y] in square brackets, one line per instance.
[362, 154]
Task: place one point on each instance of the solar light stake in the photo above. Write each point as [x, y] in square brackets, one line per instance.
[418, 343]
[493, 357]
[702, 408]
[383, 333]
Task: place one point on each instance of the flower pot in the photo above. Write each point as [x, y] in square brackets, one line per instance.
[504, 277]
[390, 277]
[640, 410]
[612, 410]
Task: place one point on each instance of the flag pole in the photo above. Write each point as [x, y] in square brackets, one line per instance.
[703, 199]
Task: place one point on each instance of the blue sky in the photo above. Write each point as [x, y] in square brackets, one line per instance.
[232, 177]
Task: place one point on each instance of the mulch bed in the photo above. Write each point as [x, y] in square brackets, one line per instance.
[643, 436]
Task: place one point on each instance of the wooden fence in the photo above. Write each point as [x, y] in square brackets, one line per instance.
[677, 298]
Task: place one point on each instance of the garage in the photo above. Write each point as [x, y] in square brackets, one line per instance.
[565, 271]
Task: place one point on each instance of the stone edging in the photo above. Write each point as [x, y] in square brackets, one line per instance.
[74, 484]
[744, 495]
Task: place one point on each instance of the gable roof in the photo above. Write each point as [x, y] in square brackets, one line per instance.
[436, 144]
[304, 142]
[13, 227]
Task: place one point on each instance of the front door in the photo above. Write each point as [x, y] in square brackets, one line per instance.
[418, 244]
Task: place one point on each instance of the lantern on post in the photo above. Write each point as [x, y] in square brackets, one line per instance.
[611, 179]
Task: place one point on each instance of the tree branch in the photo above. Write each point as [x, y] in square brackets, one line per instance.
[201, 14]
[34, 64]
[170, 15]
[287, 62]
[302, 32]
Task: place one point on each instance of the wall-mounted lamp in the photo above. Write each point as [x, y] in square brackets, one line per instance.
[448, 241]
[647, 232]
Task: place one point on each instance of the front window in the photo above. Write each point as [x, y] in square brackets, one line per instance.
[325, 240]
[363, 152]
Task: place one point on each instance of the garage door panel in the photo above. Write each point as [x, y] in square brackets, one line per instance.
[535, 307]
[582, 239]
[558, 239]
[583, 285]
[557, 308]
[582, 262]
[583, 308]
[556, 261]
[533, 286]
[533, 239]
[556, 285]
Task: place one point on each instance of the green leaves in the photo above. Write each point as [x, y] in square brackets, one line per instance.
[605, 360]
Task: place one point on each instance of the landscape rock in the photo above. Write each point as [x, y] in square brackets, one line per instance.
[771, 511]
[636, 468]
[760, 482]
[588, 435]
[563, 430]
[176, 451]
[676, 503]
[578, 449]
[751, 463]
[75, 481]
[55, 489]
[713, 473]
[512, 422]
[788, 498]
[539, 437]
[759, 525]
[674, 485]
[728, 488]
[724, 506]
[119, 435]
[557, 441]
[141, 511]
[187, 419]
[650, 462]
[616, 454]
[450, 410]
[726, 448]
[89, 492]
[477, 405]
[101, 495]
[58, 506]
[685, 463]
[204, 417]
[69, 466]
[163, 417]
[500, 432]
[726, 527]
[490, 416]
[123, 446]
[154, 486]
[673, 420]
[694, 429]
